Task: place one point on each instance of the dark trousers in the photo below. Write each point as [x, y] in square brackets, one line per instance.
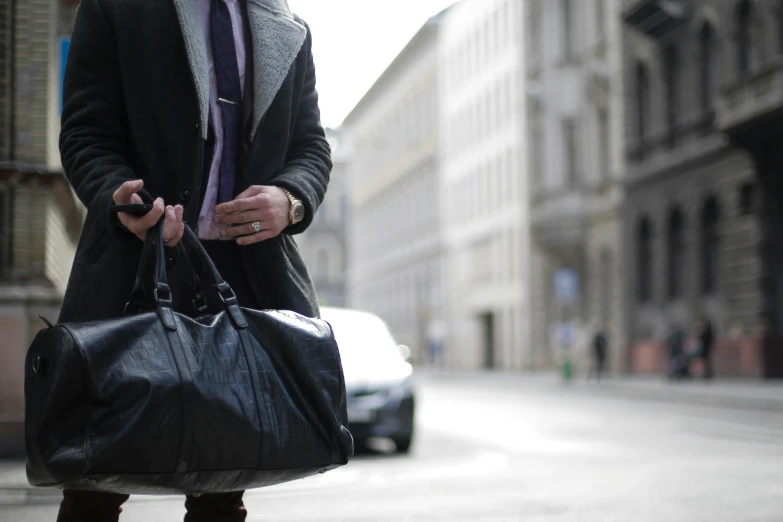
[89, 506]
[707, 368]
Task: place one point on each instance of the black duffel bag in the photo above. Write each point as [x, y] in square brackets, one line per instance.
[159, 402]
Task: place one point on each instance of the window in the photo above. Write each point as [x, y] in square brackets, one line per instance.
[343, 208]
[600, 20]
[538, 157]
[569, 50]
[604, 145]
[606, 270]
[322, 264]
[710, 241]
[744, 35]
[642, 101]
[6, 227]
[572, 159]
[534, 28]
[675, 250]
[707, 81]
[644, 260]
[671, 62]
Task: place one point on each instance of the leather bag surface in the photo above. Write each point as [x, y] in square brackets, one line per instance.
[158, 402]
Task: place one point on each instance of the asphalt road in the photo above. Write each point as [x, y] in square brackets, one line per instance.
[497, 450]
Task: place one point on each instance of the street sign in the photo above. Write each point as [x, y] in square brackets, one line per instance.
[566, 283]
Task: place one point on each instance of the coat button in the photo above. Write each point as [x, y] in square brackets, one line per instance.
[184, 197]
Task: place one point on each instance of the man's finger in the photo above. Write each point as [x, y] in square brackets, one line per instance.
[240, 230]
[136, 199]
[153, 216]
[238, 218]
[122, 196]
[238, 205]
[170, 224]
[173, 228]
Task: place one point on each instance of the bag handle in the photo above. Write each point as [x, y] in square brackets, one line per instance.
[153, 245]
[136, 302]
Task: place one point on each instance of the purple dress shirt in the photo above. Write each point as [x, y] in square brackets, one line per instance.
[206, 228]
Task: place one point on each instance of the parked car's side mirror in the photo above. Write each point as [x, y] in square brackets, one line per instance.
[405, 352]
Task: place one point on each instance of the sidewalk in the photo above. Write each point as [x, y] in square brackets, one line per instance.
[12, 474]
[724, 393]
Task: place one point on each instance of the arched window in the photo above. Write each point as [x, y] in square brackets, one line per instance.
[744, 35]
[644, 260]
[675, 254]
[607, 289]
[642, 100]
[706, 65]
[710, 241]
[671, 61]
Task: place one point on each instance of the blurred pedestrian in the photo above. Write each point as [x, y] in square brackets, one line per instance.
[678, 366]
[208, 110]
[436, 334]
[706, 340]
[600, 348]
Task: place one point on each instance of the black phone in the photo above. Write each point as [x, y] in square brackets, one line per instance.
[136, 209]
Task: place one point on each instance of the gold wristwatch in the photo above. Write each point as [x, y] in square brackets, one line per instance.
[297, 211]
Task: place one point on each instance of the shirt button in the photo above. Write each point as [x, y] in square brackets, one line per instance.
[184, 197]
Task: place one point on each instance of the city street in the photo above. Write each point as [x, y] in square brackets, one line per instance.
[509, 449]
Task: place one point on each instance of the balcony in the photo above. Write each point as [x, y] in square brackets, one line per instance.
[751, 102]
[558, 219]
[655, 18]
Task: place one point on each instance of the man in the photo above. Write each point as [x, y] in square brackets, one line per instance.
[600, 349]
[207, 108]
[706, 342]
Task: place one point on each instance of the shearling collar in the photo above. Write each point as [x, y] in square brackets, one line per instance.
[276, 39]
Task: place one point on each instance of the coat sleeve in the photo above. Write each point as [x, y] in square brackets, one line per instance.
[94, 136]
[308, 161]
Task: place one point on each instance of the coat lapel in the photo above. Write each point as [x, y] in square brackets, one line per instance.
[276, 40]
[196, 49]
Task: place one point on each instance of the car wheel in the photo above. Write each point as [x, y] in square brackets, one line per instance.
[360, 446]
[403, 444]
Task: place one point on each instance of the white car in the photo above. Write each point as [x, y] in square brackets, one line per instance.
[378, 377]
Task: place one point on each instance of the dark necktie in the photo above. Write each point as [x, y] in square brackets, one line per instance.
[229, 91]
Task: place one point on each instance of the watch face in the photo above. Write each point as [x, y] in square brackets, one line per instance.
[299, 212]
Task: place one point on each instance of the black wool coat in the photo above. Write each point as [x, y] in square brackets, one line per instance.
[135, 105]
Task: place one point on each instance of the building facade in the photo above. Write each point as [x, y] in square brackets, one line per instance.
[484, 186]
[704, 102]
[575, 135]
[395, 227]
[40, 220]
[324, 245]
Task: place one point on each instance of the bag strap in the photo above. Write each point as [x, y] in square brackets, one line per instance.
[153, 246]
[210, 271]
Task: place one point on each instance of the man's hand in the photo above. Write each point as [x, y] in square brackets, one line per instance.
[173, 228]
[269, 206]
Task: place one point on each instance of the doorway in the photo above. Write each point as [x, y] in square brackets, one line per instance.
[488, 339]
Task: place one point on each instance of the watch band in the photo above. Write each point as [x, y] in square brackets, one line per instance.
[295, 203]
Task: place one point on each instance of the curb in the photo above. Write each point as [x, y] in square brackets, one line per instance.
[710, 394]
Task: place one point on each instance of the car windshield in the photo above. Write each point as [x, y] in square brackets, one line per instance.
[362, 336]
